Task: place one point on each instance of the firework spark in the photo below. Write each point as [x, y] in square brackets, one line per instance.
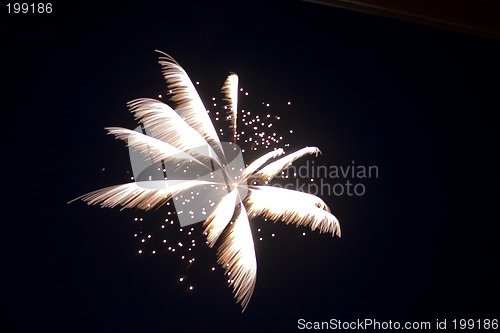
[169, 134]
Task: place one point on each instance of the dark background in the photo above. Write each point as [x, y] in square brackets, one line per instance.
[418, 102]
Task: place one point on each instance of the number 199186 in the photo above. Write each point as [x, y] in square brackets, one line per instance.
[29, 8]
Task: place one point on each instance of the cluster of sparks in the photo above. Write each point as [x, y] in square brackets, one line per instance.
[171, 131]
[264, 136]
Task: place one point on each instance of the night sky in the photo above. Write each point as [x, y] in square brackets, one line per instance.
[417, 102]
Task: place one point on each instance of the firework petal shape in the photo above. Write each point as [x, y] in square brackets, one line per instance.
[169, 134]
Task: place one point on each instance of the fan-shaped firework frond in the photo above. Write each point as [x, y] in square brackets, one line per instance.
[270, 171]
[166, 125]
[249, 170]
[295, 196]
[237, 255]
[220, 217]
[153, 149]
[142, 195]
[187, 101]
[293, 207]
[230, 91]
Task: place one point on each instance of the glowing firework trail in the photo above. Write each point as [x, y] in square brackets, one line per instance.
[230, 91]
[171, 135]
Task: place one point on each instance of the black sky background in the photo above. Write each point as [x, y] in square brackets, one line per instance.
[418, 102]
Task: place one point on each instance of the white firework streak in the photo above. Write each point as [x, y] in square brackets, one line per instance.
[172, 133]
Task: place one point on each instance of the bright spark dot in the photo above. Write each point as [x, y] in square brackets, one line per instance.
[181, 279]
[191, 288]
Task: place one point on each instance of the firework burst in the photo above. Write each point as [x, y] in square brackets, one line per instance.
[170, 134]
